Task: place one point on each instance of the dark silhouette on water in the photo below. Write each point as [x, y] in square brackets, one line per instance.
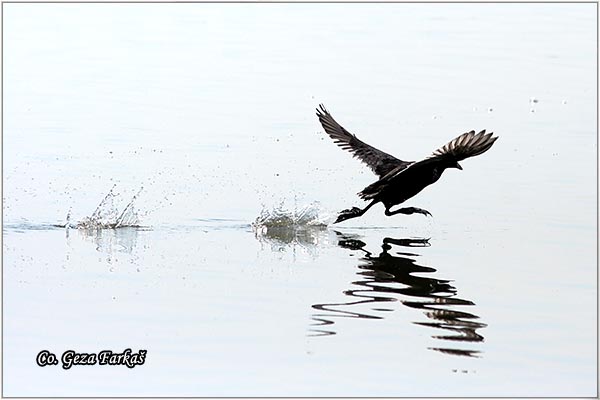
[381, 277]
[400, 180]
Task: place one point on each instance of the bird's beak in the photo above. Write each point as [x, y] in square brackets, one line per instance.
[458, 166]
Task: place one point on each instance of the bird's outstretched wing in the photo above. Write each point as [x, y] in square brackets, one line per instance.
[467, 145]
[381, 163]
[464, 146]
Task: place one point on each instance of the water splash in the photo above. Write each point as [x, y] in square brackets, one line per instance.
[303, 228]
[108, 216]
[129, 216]
[280, 217]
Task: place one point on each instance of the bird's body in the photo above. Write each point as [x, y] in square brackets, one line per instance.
[411, 181]
[401, 180]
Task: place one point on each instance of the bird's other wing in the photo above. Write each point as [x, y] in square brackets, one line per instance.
[467, 145]
[381, 163]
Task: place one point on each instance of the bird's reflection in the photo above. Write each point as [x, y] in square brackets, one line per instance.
[396, 277]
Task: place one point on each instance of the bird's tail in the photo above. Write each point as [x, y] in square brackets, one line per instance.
[370, 191]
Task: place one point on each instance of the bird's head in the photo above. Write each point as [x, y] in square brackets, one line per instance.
[452, 164]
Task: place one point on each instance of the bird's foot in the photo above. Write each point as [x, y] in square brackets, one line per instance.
[347, 214]
[413, 210]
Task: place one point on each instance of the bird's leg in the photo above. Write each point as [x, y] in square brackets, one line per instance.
[407, 210]
[353, 212]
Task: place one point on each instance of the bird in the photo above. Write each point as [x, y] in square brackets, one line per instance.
[401, 180]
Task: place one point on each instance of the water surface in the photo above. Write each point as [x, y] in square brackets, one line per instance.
[142, 143]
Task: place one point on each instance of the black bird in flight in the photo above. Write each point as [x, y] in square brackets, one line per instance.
[400, 180]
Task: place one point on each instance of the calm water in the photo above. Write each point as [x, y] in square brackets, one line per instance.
[205, 113]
